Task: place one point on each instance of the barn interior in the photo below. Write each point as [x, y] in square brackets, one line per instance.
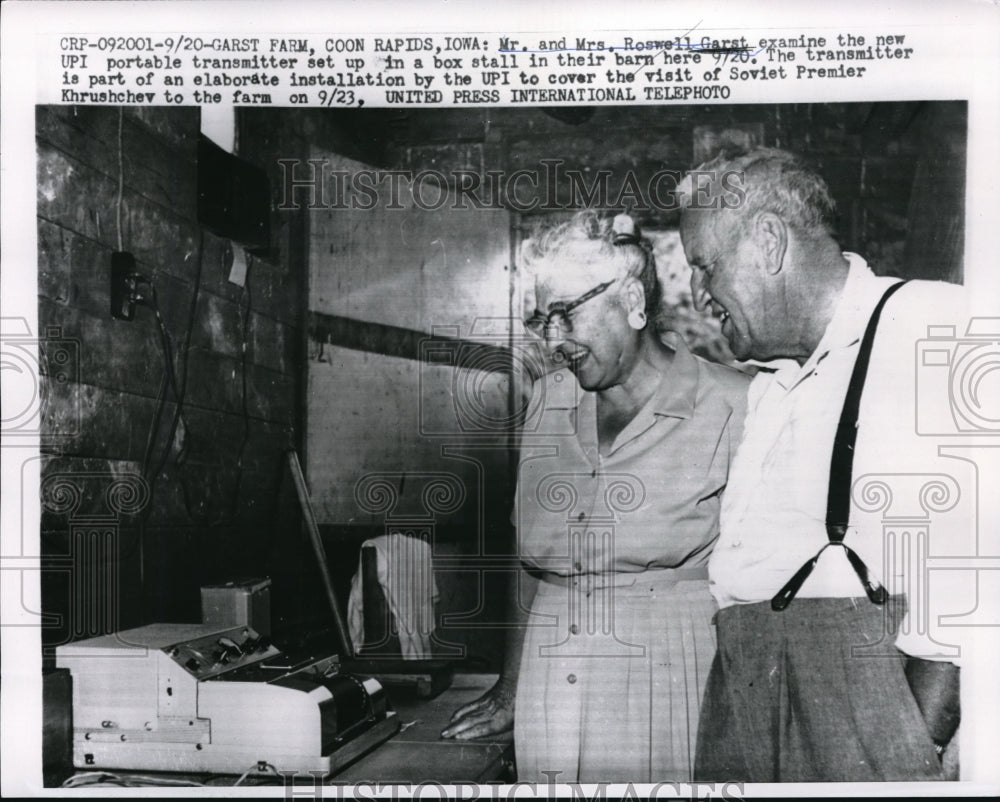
[292, 303]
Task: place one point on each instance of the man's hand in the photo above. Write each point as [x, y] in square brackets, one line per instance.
[935, 686]
[491, 713]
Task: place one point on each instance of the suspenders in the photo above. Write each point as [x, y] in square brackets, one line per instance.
[838, 505]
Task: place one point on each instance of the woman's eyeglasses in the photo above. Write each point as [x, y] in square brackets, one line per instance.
[557, 321]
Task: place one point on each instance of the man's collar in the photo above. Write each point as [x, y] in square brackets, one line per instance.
[858, 297]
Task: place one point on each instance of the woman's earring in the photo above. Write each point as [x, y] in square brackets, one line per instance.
[637, 319]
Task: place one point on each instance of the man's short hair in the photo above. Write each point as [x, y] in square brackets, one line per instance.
[764, 180]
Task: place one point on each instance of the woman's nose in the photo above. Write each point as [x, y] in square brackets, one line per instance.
[555, 336]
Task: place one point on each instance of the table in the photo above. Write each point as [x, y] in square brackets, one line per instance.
[418, 753]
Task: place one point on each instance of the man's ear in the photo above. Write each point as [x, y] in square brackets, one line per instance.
[771, 234]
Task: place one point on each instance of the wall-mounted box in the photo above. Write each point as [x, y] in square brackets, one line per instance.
[234, 197]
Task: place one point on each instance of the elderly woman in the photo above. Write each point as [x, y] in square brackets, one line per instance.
[616, 513]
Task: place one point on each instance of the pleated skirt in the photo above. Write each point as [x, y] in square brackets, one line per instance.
[611, 680]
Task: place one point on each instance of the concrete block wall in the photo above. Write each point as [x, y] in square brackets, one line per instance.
[220, 501]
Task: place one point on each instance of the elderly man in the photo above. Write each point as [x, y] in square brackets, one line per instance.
[814, 678]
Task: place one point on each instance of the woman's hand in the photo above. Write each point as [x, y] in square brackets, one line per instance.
[491, 713]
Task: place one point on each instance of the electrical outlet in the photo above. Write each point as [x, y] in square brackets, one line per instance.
[123, 285]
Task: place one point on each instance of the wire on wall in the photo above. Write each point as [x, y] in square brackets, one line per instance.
[121, 174]
[229, 512]
[160, 446]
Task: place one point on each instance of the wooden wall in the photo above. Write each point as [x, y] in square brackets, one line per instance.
[213, 511]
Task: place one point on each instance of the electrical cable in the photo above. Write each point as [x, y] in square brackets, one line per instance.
[121, 173]
[257, 767]
[167, 379]
[243, 355]
[246, 412]
[161, 392]
[228, 515]
[168, 354]
[107, 778]
[147, 456]
[186, 352]
[154, 426]
[181, 391]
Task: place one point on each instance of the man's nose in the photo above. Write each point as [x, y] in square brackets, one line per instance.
[700, 296]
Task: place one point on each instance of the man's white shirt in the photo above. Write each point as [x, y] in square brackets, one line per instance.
[908, 500]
